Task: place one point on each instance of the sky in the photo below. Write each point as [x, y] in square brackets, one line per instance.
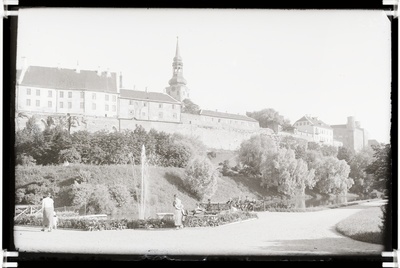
[330, 64]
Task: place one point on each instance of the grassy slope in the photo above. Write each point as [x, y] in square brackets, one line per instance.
[363, 226]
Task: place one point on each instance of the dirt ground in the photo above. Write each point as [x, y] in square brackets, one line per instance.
[273, 233]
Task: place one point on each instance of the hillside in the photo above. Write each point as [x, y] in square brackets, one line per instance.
[162, 184]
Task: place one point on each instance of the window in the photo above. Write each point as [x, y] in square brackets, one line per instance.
[160, 115]
[173, 106]
[49, 104]
[28, 102]
[37, 103]
[37, 92]
[61, 94]
[219, 120]
[160, 105]
[144, 104]
[93, 106]
[114, 98]
[114, 108]
[107, 97]
[82, 105]
[28, 91]
[107, 107]
[174, 115]
[69, 105]
[130, 102]
[143, 114]
[93, 96]
[69, 94]
[50, 93]
[61, 105]
[82, 95]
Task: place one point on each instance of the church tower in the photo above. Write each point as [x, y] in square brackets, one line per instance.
[177, 84]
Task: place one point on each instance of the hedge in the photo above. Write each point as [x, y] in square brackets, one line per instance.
[93, 224]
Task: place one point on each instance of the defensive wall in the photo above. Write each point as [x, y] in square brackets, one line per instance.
[217, 137]
[214, 137]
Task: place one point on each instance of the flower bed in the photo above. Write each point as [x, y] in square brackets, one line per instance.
[218, 219]
[94, 224]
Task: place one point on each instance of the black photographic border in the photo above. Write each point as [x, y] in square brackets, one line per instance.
[10, 29]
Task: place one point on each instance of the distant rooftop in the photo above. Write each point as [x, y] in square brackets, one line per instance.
[68, 79]
[227, 115]
[149, 96]
[314, 121]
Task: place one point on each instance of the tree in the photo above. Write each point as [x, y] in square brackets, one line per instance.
[254, 151]
[329, 150]
[71, 155]
[290, 175]
[201, 177]
[332, 176]
[363, 182]
[269, 118]
[345, 153]
[190, 107]
[381, 167]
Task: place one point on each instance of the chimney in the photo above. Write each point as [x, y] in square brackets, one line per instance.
[108, 72]
[98, 71]
[146, 89]
[78, 70]
[358, 124]
[120, 79]
[24, 63]
[58, 66]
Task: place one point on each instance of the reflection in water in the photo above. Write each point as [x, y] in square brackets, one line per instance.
[322, 201]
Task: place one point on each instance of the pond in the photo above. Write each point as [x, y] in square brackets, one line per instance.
[322, 201]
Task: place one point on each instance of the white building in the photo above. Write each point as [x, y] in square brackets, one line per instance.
[60, 91]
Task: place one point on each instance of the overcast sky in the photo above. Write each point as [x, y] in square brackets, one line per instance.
[329, 64]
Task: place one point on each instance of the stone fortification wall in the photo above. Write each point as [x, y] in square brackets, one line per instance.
[212, 137]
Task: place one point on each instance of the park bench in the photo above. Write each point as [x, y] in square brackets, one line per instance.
[165, 216]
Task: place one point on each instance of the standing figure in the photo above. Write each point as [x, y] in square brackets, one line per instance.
[178, 212]
[48, 212]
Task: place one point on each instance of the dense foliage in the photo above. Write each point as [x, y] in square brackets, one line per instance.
[201, 177]
[291, 166]
[269, 118]
[95, 224]
[55, 145]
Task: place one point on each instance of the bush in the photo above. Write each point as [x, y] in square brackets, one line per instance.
[25, 160]
[219, 219]
[201, 177]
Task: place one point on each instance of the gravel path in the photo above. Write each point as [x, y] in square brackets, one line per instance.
[273, 233]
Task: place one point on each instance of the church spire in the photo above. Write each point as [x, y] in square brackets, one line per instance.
[177, 84]
[177, 54]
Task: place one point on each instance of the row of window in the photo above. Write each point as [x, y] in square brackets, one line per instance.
[160, 114]
[82, 94]
[61, 105]
[160, 105]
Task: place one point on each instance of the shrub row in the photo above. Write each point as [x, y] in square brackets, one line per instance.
[93, 224]
[219, 219]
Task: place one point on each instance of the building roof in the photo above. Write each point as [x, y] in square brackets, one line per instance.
[227, 115]
[338, 126]
[314, 121]
[149, 96]
[69, 79]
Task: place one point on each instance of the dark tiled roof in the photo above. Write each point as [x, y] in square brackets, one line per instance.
[227, 115]
[338, 126]
[69, 79]
[143, 95]
[314, 121]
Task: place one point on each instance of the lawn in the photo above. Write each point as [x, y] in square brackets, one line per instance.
[363, 226]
